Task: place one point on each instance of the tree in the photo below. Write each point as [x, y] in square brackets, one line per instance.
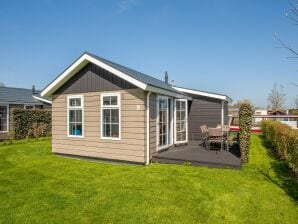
[293, 16]
[276, 98]
[239, 102]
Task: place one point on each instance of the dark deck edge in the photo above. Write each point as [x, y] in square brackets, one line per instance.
[196, 163]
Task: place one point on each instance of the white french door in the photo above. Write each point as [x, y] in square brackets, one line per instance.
[180, 121]
[164, 122]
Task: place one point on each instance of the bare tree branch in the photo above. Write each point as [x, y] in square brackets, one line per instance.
[293, 84]
[283, 45]
[276, 98]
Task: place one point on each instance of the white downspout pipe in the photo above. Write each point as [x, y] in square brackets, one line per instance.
[222, 113]
[148, 130]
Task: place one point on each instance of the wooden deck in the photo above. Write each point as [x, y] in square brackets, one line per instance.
[199, 156]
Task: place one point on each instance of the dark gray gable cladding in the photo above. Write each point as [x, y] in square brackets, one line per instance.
[92, 78]
[137, 75]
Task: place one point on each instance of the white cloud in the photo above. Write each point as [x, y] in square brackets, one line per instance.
[125, 5]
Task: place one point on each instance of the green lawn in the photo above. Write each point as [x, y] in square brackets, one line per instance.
[39, 187]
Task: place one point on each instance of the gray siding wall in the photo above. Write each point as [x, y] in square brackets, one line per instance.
[152, 127]
[226, 113]
[204, 110]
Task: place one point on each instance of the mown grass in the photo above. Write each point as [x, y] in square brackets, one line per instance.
[39, 187]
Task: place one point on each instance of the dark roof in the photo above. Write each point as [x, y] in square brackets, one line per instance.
[19, 95]
[206, 92]
[147, 79]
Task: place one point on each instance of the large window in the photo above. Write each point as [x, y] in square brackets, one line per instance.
[163, 121]
[4, 118]
[181, 120]
[110, 113]
[75, 116]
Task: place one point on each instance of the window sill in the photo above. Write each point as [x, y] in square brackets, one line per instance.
[110, 138]
[75, 136]
[4, 132]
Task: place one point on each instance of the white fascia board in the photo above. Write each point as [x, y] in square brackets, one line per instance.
[166, 92]
[80, 63]
[42, 100]
[200, 93]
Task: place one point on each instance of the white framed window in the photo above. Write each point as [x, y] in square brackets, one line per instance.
[110, 116]
[4, 118]
[181, 124]
[75, 116]
[28, 107]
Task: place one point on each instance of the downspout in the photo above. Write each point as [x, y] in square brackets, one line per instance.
[222, 112]
[148, 130]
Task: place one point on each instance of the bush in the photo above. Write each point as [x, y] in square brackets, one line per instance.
[284, 140]
[31, 123]
[245, 121]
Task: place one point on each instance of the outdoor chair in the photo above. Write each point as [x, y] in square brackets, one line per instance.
[215, 136]
[225, 130]
[204, 131]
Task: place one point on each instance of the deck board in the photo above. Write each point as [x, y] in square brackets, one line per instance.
[199, 156]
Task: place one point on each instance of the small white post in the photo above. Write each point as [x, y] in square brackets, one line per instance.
[222, 113]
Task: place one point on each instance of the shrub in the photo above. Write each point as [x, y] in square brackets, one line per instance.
[31, 123]
[284, 140]
[245, 121]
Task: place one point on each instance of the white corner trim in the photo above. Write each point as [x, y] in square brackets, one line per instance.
[77, 65]
[201, 93]
[42, 100]
[148, 130]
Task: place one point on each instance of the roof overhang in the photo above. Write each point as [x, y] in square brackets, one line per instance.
[206, 94]
[166, 92]
[19, 103]
[42, 99]
[84, 60]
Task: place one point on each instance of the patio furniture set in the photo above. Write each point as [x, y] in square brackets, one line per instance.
[215, 136]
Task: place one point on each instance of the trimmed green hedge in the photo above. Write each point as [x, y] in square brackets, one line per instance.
[31, 123]
[245, 121]
[284, 140]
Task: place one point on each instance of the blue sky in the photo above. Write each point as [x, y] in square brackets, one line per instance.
[221, 46]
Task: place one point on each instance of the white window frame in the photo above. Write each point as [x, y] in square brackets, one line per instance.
[7, 117]
[102, 107]
[29, 105]
[175, 121]
[75, 107]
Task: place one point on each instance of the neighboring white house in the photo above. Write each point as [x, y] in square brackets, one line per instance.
[260, 112]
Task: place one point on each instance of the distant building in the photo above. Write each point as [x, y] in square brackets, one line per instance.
[11, 98]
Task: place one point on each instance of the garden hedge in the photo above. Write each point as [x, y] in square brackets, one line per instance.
[31, 123]
[245, 121]
[284, 140]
